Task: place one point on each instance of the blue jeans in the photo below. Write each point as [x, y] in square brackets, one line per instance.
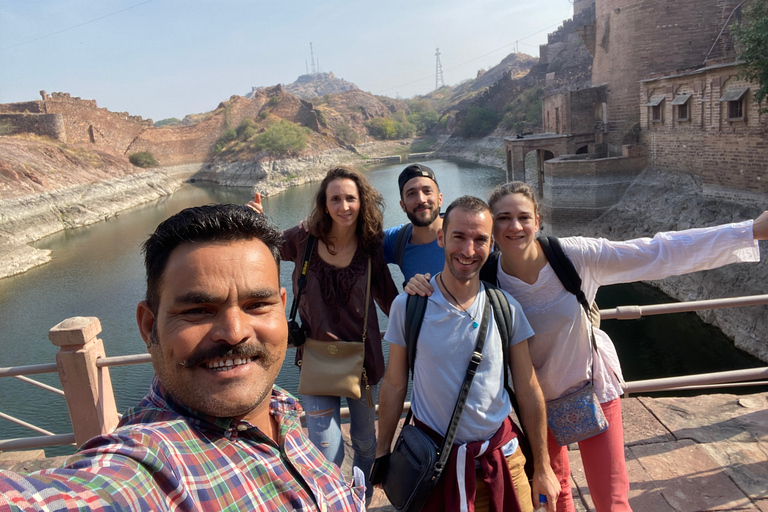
[324, 427]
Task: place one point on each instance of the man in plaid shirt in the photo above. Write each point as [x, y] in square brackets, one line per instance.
[214, 433]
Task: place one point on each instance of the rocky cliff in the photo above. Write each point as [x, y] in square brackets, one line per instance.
[663, 201]
[46, 187]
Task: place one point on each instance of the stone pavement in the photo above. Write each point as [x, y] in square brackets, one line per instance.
[691, 454]
[708, 452]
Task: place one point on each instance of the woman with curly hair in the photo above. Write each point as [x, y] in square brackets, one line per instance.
[347, 222]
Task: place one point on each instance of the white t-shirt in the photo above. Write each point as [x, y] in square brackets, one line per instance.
[560, 349]
[446, 342]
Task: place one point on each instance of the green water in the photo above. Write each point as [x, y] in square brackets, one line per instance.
[98, 271]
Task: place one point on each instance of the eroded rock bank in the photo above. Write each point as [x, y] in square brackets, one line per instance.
[272, 176]
[663, 201]
[486, 151]
[29, 218]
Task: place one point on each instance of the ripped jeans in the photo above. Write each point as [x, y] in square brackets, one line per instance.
[324, 428]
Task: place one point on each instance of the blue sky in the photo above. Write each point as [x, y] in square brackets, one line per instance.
[169, 58]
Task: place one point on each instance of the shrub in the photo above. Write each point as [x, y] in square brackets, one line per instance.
[424, 120]
[385, 128]
[752, 36]
[281, 138]
[479, 121]
[524, 112]
[7, 127]
[143, 159]
[381, 128]
[171, 121]
[347, 134]
[246, 130]
[226, 137]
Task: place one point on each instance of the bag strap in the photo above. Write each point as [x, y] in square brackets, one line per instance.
[415, 307]
[401, 241]
[474, 362]
[367, 300]
[302, 282]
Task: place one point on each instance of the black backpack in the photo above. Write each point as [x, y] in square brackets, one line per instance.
[563, 267]
[416, 307]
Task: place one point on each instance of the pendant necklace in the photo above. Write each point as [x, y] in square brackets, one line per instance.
[475, 325]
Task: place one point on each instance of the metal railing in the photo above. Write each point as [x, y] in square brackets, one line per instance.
[79, 346]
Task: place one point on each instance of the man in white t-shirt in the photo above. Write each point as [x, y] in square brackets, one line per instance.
[496, 479]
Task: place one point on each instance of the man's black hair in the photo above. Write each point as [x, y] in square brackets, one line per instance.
[469, 204]
[201, 224]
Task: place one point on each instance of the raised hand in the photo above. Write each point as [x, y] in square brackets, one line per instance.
[760, 227]
[256, 205]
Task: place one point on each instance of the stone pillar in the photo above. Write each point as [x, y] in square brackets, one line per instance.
[518, 164]
[88, 389]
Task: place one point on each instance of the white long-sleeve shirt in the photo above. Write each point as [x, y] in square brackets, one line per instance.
[561, 348]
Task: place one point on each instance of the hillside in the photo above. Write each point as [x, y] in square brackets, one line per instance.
[315, 85]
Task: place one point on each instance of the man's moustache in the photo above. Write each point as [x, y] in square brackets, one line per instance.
[255, 351]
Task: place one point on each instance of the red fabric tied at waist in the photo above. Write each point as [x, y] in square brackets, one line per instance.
[456, 488]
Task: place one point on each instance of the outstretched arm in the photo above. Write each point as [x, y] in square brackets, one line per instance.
[534, 419]
[394, 387]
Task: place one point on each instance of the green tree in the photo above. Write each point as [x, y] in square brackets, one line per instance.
[226, 137]
[281, 138]
[143, 159]
[479, 121]
[246, 130]
[423, 120]
[171, 121]
[382, 128]
[753, 38]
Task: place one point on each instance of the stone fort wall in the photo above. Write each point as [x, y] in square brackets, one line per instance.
[76, 120]
[49, 125]
[728, 154]
[637, 38]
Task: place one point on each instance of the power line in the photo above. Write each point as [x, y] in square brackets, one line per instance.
[73, 26]
[473, 59]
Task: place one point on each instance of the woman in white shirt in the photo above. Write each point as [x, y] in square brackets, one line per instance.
[561, 348]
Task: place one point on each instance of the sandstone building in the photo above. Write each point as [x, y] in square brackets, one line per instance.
[663, 93]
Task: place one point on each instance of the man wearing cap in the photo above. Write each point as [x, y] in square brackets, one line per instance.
[413, 246]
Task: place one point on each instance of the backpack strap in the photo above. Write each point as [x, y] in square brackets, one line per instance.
[401, 241]
[415, 307]
[564, 269]
[503, 316]
[490, 268]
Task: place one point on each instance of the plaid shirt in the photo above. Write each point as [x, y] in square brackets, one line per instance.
[164, 456]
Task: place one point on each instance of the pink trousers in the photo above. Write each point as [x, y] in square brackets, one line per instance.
[604, 466]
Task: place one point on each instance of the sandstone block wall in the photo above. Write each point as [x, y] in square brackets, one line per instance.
[50, 125]
[24, 107]
[728, 155]
[573, 111]
[575, 190]
[637, 38]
